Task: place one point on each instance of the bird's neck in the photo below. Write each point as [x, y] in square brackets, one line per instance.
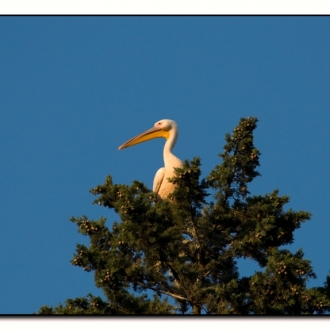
[169, 145]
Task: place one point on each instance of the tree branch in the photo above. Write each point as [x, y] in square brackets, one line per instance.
[164, 292]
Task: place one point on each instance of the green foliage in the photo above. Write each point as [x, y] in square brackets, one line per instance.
[185, 247]
[95, 305]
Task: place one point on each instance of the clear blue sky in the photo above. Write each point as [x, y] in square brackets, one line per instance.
[75, 88]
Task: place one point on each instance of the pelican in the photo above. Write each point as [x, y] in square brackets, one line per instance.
[167, 129]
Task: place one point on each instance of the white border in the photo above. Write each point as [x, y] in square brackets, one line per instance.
[163, 323]
[164, 7]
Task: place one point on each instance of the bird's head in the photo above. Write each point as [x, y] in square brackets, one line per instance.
[166, 124]
[162, 128]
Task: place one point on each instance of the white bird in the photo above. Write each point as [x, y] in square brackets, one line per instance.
[167, 129]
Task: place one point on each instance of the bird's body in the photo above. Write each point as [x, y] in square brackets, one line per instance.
[167, 129]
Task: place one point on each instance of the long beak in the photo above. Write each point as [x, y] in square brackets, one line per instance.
[150, 134]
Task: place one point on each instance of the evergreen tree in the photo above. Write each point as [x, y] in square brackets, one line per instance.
[186, 247]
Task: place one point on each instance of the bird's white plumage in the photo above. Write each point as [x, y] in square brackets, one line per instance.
[167, 129]
[159, 177]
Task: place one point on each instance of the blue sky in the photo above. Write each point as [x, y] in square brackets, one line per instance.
[75, 88]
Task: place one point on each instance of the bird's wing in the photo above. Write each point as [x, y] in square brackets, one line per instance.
[159, 177]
